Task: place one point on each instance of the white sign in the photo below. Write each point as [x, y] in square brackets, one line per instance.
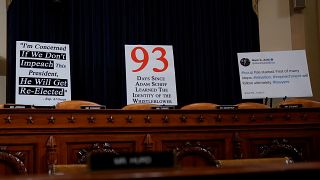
[276, 74]
[42, 73]
[150, 75]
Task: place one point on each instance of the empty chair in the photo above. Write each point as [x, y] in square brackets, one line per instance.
[200, 106]
[139, 106]
[96, 148]
[83, 157]
[303, 102]
[74, 104]
[281, 148]
[251, 105]
[194, 155]
[13, 162]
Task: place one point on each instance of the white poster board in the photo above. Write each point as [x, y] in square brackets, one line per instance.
[42, 73]
[150, 74]
[274, 74]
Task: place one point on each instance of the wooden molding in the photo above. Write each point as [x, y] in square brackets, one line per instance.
[3, 66]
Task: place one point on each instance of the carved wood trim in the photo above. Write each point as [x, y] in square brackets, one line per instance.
[52, 157]
[237, 153]
[148, 143]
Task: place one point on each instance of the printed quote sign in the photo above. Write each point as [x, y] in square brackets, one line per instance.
[150, 75]
[274, 74]
[42, 73]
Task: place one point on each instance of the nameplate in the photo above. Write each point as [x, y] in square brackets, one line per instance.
[105, 161]
[17, 106]
[92, 107]
[291, 106]
[227, 107]
[163, 107]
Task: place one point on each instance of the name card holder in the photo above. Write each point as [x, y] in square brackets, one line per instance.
[163, 107]
[106, 161]
[93, 107]
[17, 106]
[291, 106]
[232, 107]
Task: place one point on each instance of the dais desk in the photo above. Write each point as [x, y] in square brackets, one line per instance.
[302, 170]
[42, 137]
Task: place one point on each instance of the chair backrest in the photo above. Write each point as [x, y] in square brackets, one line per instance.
[139, 106]
[105, 148]
[251, 105]
[200, 106]
[13, 162]
[81, 166]
[281, 149]
[74, 104]
[254, 162]
[194, 155]
[303, 102]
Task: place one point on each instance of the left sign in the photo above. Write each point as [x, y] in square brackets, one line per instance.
[42, 73]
